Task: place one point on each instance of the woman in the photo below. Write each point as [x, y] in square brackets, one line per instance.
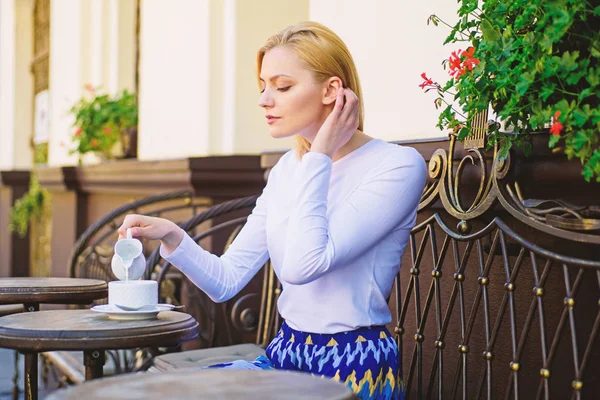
[334, 218]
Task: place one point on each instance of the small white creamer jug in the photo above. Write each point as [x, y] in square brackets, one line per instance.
[128, 262]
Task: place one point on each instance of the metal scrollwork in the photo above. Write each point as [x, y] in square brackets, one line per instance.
[446, 182]
[244, 314]
[556, 217]
[558, 213]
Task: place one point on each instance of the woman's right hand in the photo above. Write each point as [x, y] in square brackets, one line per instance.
[152, 228]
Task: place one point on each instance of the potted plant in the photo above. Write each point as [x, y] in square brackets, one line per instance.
[535, 64]
[105, 125]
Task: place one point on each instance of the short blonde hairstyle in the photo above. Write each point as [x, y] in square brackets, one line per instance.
[324, 53]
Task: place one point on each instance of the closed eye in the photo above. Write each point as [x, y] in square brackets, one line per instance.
[283, 89]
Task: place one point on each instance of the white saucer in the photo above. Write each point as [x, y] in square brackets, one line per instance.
[116, 313]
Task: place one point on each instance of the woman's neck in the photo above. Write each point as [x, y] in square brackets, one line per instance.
[357, 140]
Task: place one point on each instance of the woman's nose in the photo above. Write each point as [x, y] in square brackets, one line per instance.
[265, 100]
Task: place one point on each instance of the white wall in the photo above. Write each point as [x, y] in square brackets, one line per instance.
[254, 25]
[392, 45]
[174, 79]
[7, 83]
[24, 85]
[16, 84]
[67, 60]
[198, 90]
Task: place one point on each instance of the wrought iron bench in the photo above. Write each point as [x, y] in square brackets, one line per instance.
[504, 305]
[91, 257]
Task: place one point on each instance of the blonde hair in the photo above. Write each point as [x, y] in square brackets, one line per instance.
[324, 54]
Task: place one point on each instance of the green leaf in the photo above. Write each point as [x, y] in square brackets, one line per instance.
[575, 76]
[580, 140]
[547, 90]
[553, 140]
[569, 60]
[563, 107]
[585, 93]
[587, 173]
[463, 133]
[490, 33]
[504, 149]
[593, 77]
[595, 48]
[580, 116]
[525, 80]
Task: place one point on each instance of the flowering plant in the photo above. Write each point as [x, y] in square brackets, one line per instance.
[100, 120]
[535, 64]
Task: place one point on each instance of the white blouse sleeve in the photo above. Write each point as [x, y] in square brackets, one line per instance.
[223, 277]
[386, 200]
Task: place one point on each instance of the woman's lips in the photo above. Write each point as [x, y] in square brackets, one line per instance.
[271, 119]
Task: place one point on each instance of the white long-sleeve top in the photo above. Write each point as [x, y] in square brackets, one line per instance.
[335, 233]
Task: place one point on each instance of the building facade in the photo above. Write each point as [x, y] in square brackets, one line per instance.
[192, 63]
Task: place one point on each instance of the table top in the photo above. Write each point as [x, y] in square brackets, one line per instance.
[51, 290]
[209, 384]
[90, 330]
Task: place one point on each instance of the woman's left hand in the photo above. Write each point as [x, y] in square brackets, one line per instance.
[339, 126]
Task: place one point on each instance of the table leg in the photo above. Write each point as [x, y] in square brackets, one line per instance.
[15, 389]
[31, 376]
[31, 366]
[94, 364]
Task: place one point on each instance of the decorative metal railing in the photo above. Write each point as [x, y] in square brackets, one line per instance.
[505, 305]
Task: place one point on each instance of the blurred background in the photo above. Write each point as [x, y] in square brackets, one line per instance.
[105, 102]
[192, 65]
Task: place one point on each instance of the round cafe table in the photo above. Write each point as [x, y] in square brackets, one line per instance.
[90, 331]
[34, 291]
[209, 384]
[30, 292]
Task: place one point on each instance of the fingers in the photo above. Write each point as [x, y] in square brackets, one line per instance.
[142, 232]
[131, 221]
[349, 114]
[339, 102]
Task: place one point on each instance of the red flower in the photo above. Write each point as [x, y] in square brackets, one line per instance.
[90, 88]
[470, 61]
[459, 67]
[78, 132]
[426, 81]
[455, 64]
[94, 143]
[107, 130]
[556, 127]
[469, 52]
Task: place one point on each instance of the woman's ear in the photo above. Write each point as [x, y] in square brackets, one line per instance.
[332, 87]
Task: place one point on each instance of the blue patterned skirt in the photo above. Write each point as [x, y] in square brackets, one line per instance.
[365, 360]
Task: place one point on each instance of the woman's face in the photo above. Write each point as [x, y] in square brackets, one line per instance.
[294, 103]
